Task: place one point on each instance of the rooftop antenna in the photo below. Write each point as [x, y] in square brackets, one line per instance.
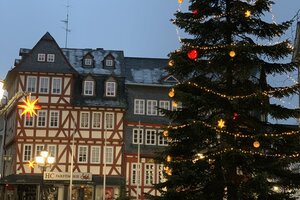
[66, 21]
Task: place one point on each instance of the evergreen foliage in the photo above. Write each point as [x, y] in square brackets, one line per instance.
[213, 162]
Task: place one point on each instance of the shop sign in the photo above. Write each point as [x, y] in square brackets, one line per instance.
[77, 176]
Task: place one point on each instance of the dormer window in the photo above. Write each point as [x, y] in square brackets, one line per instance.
[50, 57]
[42, 57]
[88, 60]
[110, 87]
[88, 88]
[109, 61]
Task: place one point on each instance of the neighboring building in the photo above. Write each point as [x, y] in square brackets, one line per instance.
[96, 97]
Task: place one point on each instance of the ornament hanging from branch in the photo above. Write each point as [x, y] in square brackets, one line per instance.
[192, 54]
[256, 144]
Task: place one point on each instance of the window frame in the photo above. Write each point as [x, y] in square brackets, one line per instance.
[151, 107]
[41, 118]
[94, 122]
[149, 173]
[135, 135]
[109, 159]
[111, 122]
[93, 156]
[164, 104]
[54, 88]
[150, 136]
[43, 86]
[81, 154]
[84, 122]
[51, 57]
[110, 88]
[41, 57]
[53, 119]
[27, 153]
[88, 88]
[32, 80]
[139, 107]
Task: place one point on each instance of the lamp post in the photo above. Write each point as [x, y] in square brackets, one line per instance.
[44, 160]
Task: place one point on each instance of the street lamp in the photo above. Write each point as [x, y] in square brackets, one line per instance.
[44, 160]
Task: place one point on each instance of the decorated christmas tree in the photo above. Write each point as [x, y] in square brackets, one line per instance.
[221, 143]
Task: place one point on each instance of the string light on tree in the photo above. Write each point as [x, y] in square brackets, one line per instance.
[232, 54]
[256, 144]
[247, 13]
[171, 63]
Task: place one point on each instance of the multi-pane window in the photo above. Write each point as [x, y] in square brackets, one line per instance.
[54, 115]
[136, 136]
[88, 61]
[149, 174]
[31, 84]
[82, 154]
[41, 57]
[109, 153]
[176, 105]
[41, 118]
[84, 119]
[88, 88]
[38, 149]
[27, 152]
[164, 105]
[109, 62]
[56, 85]
[97, 117]
[44, 85]
[151, 107]
[52, 150]
[109, 120]
[28, 121]
[150, 136]
[162, 141]
[95, 154]
[139, 107]
[160, 175]
[110, 89]
[50, 57]
[135, 174]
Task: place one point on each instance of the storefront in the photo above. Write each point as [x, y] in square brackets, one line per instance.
[57, 187]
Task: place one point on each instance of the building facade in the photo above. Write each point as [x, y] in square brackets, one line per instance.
[94, 102]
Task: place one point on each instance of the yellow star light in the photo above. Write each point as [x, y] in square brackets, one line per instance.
[221, 123]
[29, 106]
[31, 163]
[247, 13]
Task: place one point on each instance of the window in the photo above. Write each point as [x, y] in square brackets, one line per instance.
[41, 118]
[109, 120]
[97, 117]
[161, 178]
[44, 85]
[41, 57]
[149, 174]
[84, 119]
[151, 107]
[88, 61]
[50, 57]
[109, 153]
[31, 84]
[28, 120]
[56, 85]
[110, 89]
[162, 141]
[164, 105]
[95, 154]
[88, 88]
[150, 136]
[54, 118]
[176, 105]
[27, 151]
[139, 107]
[135, 176]
[38, 149]
[52, 150]
[82, 154]
[135, 135]
[109, 62]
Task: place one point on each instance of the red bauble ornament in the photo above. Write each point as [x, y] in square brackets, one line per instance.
[235, 115]
[195, 12]
[192, 54]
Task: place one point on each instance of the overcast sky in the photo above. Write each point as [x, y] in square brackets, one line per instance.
[141, 28]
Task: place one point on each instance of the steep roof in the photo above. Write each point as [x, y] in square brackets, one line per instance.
[145, 70]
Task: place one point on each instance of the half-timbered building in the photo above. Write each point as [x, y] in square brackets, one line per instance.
[99, 117]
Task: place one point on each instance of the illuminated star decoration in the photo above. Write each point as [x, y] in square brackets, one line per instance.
[31, 163]
[29, 107]
[221, 123]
